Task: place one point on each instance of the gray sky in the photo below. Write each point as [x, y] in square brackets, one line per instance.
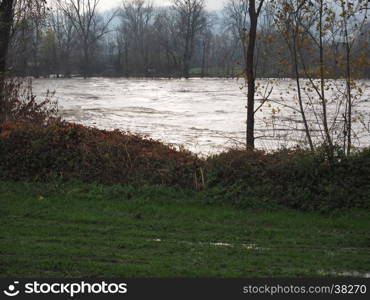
[211, 4]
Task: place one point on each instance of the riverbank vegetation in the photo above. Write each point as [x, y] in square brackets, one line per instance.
[295, 178]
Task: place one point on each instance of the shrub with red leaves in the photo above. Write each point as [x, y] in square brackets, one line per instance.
[71, 151]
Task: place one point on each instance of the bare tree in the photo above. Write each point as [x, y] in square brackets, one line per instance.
[123, 46]
[6, 22]
[191, 20]
[254, 13]
[351, 26]
[289, 19]
[9, 14]
[165, 28]
[65, 35]
[206, 41]
[237, 21]
[90, 28]
[136, 17]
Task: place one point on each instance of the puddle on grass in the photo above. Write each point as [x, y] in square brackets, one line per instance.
[345, 273]
[246, 246]
[253, 247]
[218, 244]
[221, 244]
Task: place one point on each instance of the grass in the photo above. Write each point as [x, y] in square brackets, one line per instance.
[79, 230]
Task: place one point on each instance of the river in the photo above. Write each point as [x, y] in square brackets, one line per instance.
[203, 115]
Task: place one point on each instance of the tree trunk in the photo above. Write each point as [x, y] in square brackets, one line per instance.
[86, 63]
[36, 61]
[186, 66]
[299, 92]
[250, 73]
[349, 99]
[348, 84]
[322, 80]
[168, 65]
[127, 70]
[187, 57]
[204, 60]
[68, 71]
[6, 21]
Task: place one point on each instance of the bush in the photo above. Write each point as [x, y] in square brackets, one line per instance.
[70, 151]
[295, 178]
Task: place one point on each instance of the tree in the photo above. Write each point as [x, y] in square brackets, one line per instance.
[90, 28]
[136, 17]
[254, 13]
[224, 54]
[13, 13]
[165, 29]
[348, 16]
[9, 11]
[289, 19]
[323, 40]
[237, 21]
[206, 41]
[6, 22]
[191, 19]
[65, 35]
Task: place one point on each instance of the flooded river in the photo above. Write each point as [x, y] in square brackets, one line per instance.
[204, 115]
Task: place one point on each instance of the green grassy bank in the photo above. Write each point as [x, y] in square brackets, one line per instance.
[78, 230]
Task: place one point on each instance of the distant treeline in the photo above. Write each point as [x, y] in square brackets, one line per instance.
[139, 40]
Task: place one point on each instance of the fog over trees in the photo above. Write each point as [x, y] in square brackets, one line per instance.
[79, 38]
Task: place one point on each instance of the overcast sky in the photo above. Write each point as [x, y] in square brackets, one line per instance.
[211, 4]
